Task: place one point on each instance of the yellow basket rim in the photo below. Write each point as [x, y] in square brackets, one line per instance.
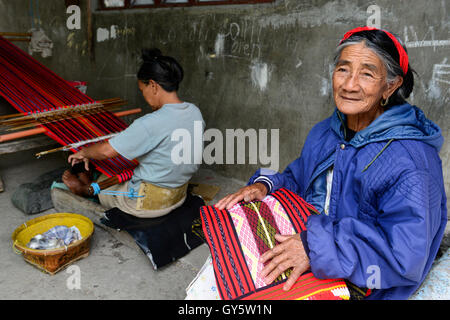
[28, 223]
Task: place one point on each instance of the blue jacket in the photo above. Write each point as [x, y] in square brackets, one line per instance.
[387, 210]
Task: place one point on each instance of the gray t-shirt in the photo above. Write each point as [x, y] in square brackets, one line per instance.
[155, 137]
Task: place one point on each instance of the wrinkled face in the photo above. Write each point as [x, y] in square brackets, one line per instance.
[149, 93]
[359, 80]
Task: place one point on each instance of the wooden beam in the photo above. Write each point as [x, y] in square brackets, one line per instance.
[17, 36]
[32, 132]
[127, 112]
[21, 134]
[26, 144]
[19, 39]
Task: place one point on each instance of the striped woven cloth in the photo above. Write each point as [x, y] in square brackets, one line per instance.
[239, 236]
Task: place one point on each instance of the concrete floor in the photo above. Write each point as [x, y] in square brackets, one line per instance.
[111, 271]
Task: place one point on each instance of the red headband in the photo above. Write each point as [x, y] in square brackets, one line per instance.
[401, 51]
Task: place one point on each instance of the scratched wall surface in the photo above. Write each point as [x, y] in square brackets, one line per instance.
[264, 66]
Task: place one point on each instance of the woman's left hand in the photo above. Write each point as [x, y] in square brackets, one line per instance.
[288, 254]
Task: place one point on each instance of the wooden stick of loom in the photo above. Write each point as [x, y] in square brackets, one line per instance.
[32, 132]
[19, 39]
[24, 121]
[15, 34]
[76, 145]
[52, 118]
[104, 184]
[263, 223]
[105, 101]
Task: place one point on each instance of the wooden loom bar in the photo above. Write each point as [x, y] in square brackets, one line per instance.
[19, 39]
[30, 121]
[32, 88]
[76, 145]
[127, 112]
[32, 132]
[104, 102]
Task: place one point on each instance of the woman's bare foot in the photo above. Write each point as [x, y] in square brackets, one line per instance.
[75, 184]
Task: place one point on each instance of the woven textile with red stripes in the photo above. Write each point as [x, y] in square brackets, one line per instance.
[239, 236]
[30, 87]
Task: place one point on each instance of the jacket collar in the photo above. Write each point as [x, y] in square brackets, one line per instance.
[398, 122]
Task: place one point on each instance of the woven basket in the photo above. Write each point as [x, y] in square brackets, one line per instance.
[53, 260]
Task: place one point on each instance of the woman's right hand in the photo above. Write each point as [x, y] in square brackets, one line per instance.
[256, 191]
[77, 158]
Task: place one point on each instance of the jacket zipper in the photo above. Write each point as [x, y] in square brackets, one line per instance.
[322, 168]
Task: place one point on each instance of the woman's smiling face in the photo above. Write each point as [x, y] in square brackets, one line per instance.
[359, 80]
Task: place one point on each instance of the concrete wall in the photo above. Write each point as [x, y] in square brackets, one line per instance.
[250, 66]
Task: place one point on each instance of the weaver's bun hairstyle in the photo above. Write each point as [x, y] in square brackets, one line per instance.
[164, 70]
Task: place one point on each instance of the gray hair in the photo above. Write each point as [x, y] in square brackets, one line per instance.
[392, 67]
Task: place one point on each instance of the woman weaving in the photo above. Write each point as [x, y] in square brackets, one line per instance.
[373, 172]
[147, 139]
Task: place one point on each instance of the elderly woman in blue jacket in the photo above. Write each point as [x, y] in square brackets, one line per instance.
[373, 171]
